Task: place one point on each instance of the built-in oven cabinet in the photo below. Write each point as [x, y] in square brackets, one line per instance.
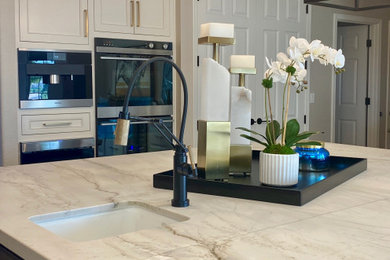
[144, 17]
[55, 21]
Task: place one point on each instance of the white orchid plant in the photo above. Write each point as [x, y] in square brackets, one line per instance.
[289, 69]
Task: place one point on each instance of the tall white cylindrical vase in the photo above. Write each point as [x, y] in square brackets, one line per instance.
[279, 169]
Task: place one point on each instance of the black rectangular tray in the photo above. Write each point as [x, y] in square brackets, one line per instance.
[310, 184]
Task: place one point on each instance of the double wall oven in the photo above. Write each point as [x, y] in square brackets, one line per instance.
[115, 63]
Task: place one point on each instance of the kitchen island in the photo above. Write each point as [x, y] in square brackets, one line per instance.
[351, 221]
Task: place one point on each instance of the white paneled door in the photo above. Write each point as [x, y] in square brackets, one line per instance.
[262, 28]
[351, 87]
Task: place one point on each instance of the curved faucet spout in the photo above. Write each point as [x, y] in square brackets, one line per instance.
[181, 169]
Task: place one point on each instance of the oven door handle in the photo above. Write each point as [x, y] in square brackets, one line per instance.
[122, 58]
[135, 123]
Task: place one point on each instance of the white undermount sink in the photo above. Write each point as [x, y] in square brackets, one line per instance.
[105, 220]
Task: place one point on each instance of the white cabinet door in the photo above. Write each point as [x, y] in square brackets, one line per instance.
[54, 21]
[152, 17]
[115, 16]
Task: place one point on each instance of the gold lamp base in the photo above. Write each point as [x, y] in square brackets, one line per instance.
[240, 158]
[213, 149]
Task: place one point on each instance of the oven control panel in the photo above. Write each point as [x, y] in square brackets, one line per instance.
[118, 43]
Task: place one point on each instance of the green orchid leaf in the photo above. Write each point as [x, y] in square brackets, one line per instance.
[248, 130]
[308, 132]
[301, 136]
[272, 131]
[292, 130]
[253, 139]
[252, 132]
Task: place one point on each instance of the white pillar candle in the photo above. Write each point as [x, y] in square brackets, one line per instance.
[214, 91]
[217, 30]
[240, 114]
[242, 61]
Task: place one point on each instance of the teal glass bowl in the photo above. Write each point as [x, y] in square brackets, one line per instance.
[313, 157]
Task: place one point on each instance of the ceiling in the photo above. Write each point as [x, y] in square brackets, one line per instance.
[353, 5]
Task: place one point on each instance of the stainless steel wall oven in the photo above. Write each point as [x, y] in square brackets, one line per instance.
[115, 62]
[52, 79]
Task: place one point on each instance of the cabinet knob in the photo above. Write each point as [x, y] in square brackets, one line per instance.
[252, 121]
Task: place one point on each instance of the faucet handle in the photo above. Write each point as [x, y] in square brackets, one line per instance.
[193, 167]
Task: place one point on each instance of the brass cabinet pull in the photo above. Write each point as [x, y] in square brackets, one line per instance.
[138, 14]
[132, 13]
[86, 23]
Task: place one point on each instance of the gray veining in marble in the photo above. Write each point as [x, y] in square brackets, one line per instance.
[352, 221]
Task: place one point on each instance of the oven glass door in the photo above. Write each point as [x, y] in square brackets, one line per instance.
[114, 72]
[143, 137]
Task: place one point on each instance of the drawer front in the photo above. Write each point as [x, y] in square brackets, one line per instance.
[53, 124]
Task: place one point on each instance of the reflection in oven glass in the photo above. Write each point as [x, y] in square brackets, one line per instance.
[142, 138]
[38, 90]
[154, 87]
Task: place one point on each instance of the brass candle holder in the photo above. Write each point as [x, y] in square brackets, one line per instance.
[216, 42]
[214, 137]
[241, 154]
[241, 74]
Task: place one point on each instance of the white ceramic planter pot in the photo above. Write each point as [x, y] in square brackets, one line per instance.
[279, 169]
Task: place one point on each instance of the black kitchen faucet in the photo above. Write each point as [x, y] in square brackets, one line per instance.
[181, 169]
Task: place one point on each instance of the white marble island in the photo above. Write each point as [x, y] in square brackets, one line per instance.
[352, 221]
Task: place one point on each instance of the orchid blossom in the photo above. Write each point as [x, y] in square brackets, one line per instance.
[289, 70]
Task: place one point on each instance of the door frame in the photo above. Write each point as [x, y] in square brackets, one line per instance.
[373, 77]
[387, 113]
[186, 50]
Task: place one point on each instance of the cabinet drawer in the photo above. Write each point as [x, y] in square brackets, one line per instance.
[53, 124]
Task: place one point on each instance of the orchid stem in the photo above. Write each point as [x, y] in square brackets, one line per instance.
[266, 112]
[270, 112]
[284, 98]
[286, 110]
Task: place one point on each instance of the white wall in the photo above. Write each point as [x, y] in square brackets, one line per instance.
[1, 150]
[322, 28]
[8, 84]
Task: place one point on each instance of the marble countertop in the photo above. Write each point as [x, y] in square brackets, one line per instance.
[352, 221]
